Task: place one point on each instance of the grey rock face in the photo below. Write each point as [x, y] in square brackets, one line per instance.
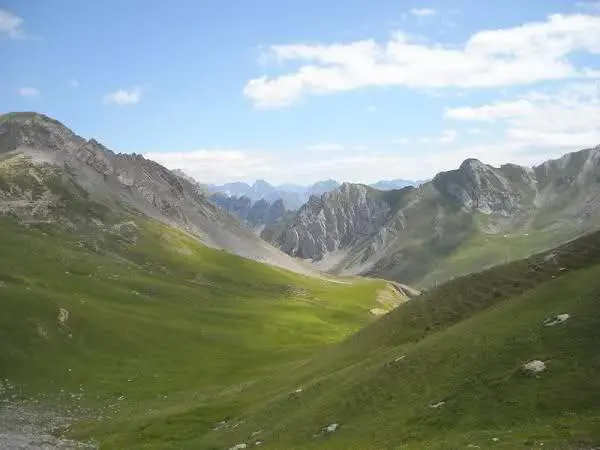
[334, 221]
[479, 187]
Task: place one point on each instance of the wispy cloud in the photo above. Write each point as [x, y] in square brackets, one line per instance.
[11, 25]
[124, 97]
[530, 53]
[28, 91]
[325, 147]
[362, 165]
[423, 12]
[566, 118]
[218, 165]
[447, 137]
[74, 83]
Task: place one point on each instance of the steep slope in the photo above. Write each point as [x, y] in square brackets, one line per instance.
[40, 156]
[201, 188]
[461, 221]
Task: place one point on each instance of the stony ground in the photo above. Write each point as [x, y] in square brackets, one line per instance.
[24, 427]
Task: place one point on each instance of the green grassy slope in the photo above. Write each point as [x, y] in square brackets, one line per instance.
[463, 344]
[155, 319]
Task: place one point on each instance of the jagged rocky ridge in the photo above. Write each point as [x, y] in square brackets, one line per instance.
[42, 162]
[402, 234]
[256, 215]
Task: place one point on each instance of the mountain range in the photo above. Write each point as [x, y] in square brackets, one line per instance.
[465, 219]
[292, 195]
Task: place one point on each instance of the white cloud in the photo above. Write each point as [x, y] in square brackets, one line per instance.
[124, 97]
[28, 91]
[368, 168]
[447, 137]
[566, 118]
[217, 166]
[326, 147]
[423, 12]
[526, 54]
[74, 83]
[371, 109]
[11, 25]
[538, 125]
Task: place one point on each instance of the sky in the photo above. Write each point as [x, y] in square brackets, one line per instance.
[300, 91]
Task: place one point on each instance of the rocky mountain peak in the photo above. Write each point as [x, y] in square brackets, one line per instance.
[34, 130]
[479, 187]
[472, 165]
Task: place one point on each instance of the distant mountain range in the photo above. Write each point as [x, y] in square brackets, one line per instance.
[293, 195]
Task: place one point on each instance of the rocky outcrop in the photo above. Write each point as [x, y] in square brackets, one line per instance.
[335, 221]
[482, 188]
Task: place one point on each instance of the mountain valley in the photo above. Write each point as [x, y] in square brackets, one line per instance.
[140, 310]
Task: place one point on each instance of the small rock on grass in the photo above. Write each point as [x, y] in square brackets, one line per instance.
[239, 446]
[333, 427]
[558, 319]
[535, 366]
[437, 405]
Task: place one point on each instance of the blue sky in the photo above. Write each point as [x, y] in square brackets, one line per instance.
[299, 91]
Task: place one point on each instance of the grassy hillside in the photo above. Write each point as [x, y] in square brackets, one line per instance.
[443, 371]
[136, 316]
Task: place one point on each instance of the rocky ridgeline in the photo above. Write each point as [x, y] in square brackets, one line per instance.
[356, 229]
[44, 166]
